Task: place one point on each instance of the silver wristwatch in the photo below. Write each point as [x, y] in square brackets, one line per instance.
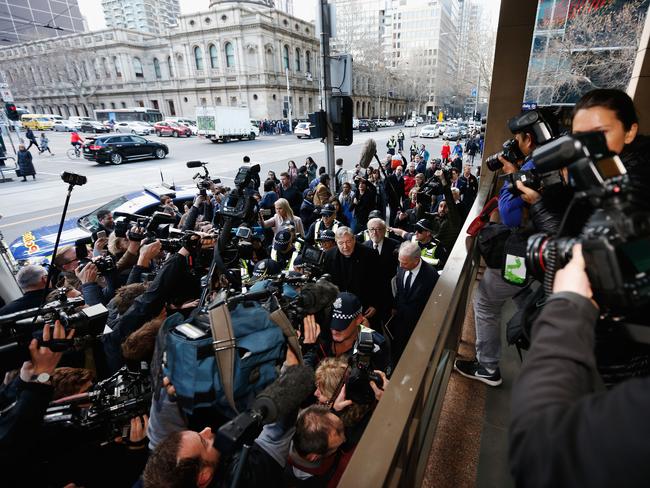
[42, 378]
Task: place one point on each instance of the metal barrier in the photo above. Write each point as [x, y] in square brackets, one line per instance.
[395, 447]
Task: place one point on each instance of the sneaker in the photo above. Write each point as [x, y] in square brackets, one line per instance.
[474, 371]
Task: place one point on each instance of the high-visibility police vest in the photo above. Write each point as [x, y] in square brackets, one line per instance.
[289, 264]
[335, 225]
[245, 274]
[391, 143]
[428, 252]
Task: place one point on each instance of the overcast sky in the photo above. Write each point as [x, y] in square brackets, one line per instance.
[94, 13]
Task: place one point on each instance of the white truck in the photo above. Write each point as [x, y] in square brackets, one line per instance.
[224, 123]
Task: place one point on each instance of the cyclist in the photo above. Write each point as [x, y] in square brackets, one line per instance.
[76, 141]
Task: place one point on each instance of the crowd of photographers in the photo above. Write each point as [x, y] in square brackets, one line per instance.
[294, 274]
[245, 337]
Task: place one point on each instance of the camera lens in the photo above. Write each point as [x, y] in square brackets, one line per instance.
[493, 162]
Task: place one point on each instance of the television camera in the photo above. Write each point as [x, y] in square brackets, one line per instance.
[203, 181]
[104, 412]
[18, 329]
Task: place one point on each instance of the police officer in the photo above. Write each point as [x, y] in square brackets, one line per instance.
[326, 239]
[391, 145]
[423, 235]
[400, 140]
[283, 251]
[326, 222]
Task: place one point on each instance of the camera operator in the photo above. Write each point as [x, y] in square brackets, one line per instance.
[175, 283]
[188, 458]
[531, 129]
[32, 281]
[20, 423]
[564, 432]
[346, 323]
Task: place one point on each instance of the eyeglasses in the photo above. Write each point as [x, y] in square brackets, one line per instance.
[375, 229]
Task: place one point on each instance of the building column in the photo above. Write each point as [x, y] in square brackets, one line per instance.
[639, 86]
[511, 58]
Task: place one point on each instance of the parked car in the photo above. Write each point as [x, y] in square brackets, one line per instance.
[366, 125]
[35, 246]
[451, 134]
[92, 126]
[134, 127]
[67, 126]
[302, 130]
[255, 130]
[410, 123]
[419, 120]
[390, 123]
[173, 129]
[355, 123]
[429, 131]
[119, 148]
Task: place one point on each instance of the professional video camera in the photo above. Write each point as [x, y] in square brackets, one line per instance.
[203, 181]
[357, 386]
[312, 258]
[155, 226]
[532, 122]
[18, 329]
[104, 412]
[615, 238]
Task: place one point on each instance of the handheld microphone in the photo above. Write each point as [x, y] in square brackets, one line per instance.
[194, 164]
[369, 152]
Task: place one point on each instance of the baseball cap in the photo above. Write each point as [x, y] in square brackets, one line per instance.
[326, 235]
[424, 224]
[345, 308]
[266, 267]
[282, 240]
[328, 209]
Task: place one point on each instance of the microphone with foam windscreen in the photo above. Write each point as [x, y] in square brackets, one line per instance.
[282, 397]
[194, 164]
[369, 152]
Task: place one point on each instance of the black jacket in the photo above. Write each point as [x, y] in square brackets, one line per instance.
[293, 196]
[358, 274]
[409, 305]
[30, 299]
[563, 432]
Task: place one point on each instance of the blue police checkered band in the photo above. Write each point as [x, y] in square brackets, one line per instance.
[342, 316]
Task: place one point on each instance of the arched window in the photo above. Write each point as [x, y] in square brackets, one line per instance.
[297, 61]
[285, 57]
[169, 66]
[116, 65]
[156, 68]
[198, 58]
[308, 61]
[230, 55]
[137, 68]
[214, 56]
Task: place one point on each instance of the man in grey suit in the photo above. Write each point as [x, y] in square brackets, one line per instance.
[415, 280]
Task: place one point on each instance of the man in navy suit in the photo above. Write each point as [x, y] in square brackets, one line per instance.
[386, 248]
[414, 282]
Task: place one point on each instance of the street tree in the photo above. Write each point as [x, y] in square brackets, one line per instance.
[596, 50]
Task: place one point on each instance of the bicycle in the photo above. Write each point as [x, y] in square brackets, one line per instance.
[74, 152]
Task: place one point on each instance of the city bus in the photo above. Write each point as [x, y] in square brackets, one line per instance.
[139, 114]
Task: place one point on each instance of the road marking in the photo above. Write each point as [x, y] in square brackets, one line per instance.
[46, 216]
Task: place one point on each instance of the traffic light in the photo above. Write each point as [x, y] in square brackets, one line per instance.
[341, 116]
[12, 113]
[483, 126]
[318, 124]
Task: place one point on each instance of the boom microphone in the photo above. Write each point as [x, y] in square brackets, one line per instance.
[194, 164]
[317, 296]
[369, 152]
[280, 398]
[286, 394]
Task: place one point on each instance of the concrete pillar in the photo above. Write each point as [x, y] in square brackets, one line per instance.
[511, 57]
[639, 86]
